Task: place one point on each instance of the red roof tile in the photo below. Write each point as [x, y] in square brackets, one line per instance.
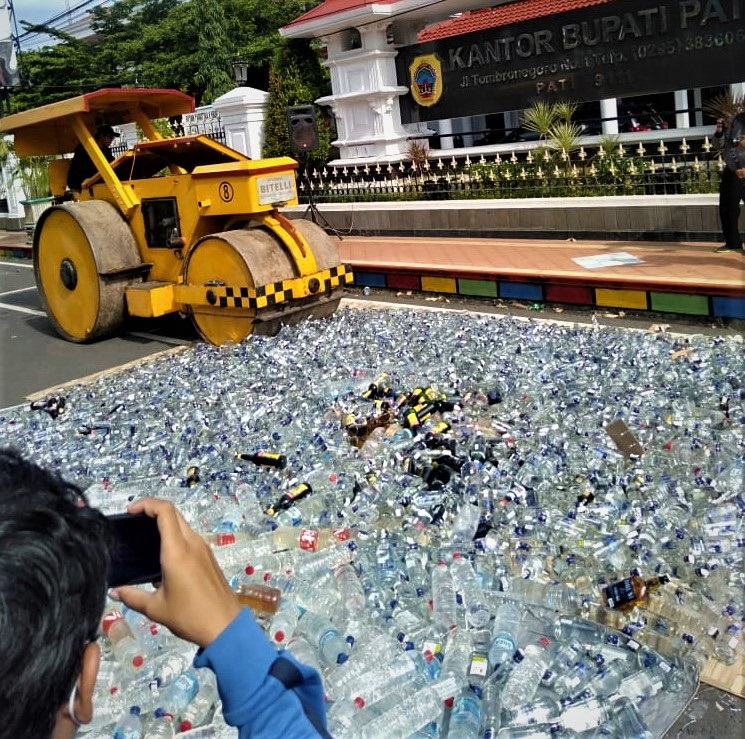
[503, 15]
[332, 7]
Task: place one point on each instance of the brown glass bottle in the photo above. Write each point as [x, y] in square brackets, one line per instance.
[631, 591]
[265, 459]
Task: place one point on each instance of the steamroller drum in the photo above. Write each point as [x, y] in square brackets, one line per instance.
[321, 244]
[84, 257]
[250, 258]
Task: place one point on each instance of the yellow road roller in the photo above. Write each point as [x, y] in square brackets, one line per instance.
[181, 224]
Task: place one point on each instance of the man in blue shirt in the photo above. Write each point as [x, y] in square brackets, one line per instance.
[54, 557]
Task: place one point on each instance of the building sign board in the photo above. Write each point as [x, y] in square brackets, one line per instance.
[612, 50]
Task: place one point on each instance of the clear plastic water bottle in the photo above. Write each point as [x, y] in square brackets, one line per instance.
[162, 726]
[588, 633]
[147, 632]
[321, 633]
[125, 648]
[466, 717]
[167, 669]
[421, 706]
[525, 677]
[507, 620]
[129, 726]
[284, 622]
[198, 711]
[491, 704]
[179, 694]
[464, 527]
[350, 589]
[303, 652]
[458, 646]
[478, 612]
[443, 598]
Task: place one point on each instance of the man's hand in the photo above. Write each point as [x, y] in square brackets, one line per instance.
[193, 600]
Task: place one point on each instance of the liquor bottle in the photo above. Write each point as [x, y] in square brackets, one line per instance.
[259, 597]
[264, 459]
[541, 710]
[293, 495]
[631, 591]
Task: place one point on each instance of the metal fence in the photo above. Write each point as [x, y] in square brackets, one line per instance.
[610, 168]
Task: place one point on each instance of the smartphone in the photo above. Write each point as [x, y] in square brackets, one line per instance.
[135, 555]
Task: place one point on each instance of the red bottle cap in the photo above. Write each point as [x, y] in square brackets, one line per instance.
[138, 660]
[279, 635]
[109, 620]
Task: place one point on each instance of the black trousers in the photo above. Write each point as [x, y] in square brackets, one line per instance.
[731, 193]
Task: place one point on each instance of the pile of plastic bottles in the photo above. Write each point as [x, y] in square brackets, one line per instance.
[473, 526]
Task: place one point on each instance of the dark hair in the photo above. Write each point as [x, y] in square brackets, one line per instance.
[54, 555]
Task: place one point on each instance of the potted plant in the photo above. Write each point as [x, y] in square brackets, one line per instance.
[33, 174]
[418, 152]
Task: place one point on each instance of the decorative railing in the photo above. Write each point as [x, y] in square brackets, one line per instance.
[610, 168]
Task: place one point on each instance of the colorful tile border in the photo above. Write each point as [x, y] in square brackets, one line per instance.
[588, 295]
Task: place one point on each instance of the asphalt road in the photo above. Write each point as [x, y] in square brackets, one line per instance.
[33, 357]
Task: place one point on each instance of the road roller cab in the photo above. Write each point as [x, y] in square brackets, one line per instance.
[172, 225]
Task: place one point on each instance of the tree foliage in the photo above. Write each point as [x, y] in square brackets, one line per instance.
[188, 46]
[213, 56]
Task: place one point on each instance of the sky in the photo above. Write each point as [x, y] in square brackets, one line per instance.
[38, 11]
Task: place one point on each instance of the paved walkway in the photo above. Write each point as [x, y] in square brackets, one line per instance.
[662, 276]
[686, 278]
[675, 265]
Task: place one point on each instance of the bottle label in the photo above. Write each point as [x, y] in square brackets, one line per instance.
[298, 491]
[504, 643]
[342, 534]
[479, 665]
[308, 540]
[295, 515]
[620, 593]
[326, 636]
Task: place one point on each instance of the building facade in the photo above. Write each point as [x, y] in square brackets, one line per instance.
[459, 71]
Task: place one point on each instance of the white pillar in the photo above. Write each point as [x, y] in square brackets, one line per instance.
[682, 116]
[242, 113]
[609, 111]
[445, 128]
[697, 103]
